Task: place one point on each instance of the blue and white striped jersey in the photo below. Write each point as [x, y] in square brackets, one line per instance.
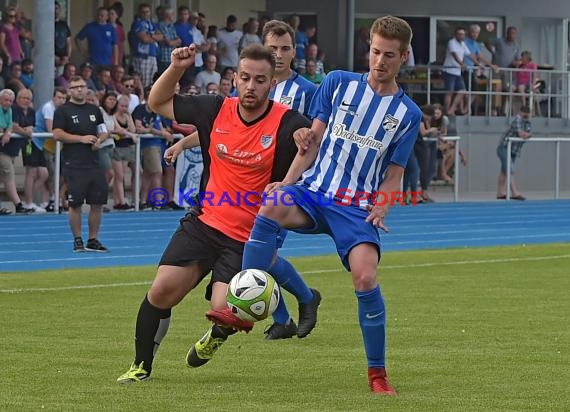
[296, 93]
[365, 132]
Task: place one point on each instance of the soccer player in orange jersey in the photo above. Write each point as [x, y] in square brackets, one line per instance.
[247, 142]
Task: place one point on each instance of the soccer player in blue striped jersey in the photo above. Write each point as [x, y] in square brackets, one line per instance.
[292, 90]
[354, 156]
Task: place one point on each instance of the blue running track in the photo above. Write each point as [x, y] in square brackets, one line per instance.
[44, 241]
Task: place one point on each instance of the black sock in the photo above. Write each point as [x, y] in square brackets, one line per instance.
[222, 332]
[152, 325]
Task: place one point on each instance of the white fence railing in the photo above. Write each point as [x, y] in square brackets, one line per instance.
[57, 166]
[136, 189]
[556, 140]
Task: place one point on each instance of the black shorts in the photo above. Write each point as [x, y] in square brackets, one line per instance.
[32, 156]
[85, 185]
[195, 241]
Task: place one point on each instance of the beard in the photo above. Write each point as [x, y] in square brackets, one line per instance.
[253, 103]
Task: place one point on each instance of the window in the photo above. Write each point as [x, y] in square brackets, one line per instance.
[491, 28]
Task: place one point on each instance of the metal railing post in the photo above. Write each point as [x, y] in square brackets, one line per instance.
[557, 178]
[57, 176]
[508, 169]
[456, 173]
[136, 190]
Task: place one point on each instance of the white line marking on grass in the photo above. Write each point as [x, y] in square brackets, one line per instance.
[88, 256]
[103, 285]
[309, 272]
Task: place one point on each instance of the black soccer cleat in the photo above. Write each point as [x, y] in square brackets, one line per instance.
[308, 315]
[278, 331]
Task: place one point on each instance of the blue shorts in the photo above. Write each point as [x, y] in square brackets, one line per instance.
[453, 82]
[345, 224]
[502, 153]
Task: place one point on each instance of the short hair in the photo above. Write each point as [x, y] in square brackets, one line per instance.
[475, 27]
[277, 28]
[143, 6]
[258, 52]
[59, 89]
[24, 91]
[393, 28]
[76, 79]
[8, 92]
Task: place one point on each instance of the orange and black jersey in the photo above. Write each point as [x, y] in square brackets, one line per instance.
[240, 158]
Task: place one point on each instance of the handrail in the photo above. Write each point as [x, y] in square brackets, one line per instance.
[556, 140]
[557, 86]
[455, 163]
[57, 174]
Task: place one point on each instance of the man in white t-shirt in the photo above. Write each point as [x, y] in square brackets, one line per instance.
[210, 75]
[456, 51]
[228, 44]
[200, 42]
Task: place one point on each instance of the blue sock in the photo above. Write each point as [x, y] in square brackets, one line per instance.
[262, 244]
[281, 314]
[372, 319]
[258, 253]
[289, 279]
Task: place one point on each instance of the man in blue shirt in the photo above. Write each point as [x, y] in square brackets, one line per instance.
[101, 40]
[145, 41]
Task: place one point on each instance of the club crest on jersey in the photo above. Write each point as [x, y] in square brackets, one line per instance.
[390, 123]
[92, 117]
[266, 141]
[286, 100]
[221, 149]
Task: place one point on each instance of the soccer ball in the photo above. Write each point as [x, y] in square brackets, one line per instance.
[253, 295]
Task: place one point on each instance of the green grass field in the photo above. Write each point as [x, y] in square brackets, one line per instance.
[468, 330]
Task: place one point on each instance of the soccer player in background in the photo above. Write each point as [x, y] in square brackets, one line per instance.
[296, 92]
[246, 143]
[364, 128]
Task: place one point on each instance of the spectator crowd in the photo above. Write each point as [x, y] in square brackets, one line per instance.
[118, 79]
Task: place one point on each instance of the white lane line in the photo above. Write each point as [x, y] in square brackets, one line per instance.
[88, 256]
[457, 242]
[309, 272]
[99, 286]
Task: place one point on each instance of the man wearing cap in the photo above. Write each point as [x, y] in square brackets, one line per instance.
[87, 74]
[228, 44]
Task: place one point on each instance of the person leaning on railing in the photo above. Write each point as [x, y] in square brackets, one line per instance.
[520, 127]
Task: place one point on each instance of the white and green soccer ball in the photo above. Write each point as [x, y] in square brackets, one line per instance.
[253, 295]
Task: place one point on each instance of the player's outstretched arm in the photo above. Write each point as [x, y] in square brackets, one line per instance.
[188, 142]
[304, 158]
[390, 184]
[162, 93]
[191, 141]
